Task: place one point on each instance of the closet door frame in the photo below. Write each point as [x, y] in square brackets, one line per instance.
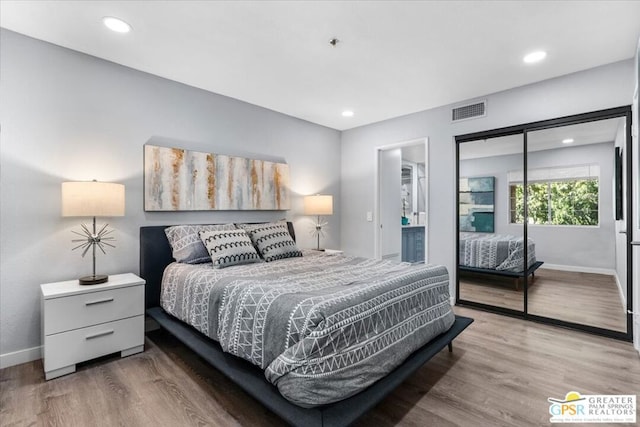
[618, 112]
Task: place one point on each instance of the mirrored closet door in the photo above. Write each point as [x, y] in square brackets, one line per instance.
[575, 219]
[543, 220]
[488, 272]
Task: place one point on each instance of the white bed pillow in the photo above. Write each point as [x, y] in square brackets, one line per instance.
[186, 244]
[229, 247]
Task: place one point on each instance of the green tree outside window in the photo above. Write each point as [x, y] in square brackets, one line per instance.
[567, 202]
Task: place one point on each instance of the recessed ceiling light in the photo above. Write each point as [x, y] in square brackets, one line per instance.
[116, 24]
[536, 56]
[347, 113]
[567, 141]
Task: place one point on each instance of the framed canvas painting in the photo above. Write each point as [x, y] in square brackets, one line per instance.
[183, 180]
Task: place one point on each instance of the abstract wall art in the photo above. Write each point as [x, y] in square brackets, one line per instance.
[182, 180]
[476, 200]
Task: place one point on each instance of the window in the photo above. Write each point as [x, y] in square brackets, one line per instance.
[557, 196]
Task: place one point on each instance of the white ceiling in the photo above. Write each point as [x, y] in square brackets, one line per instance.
[394, 57]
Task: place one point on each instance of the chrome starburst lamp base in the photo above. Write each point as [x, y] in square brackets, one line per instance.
[89, 241]
[317, 231]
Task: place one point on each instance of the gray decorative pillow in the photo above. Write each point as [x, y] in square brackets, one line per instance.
[272, 240]
[229, 247]
[186, 244]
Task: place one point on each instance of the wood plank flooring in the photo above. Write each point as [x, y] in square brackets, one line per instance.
[586, 298]
[501, 372]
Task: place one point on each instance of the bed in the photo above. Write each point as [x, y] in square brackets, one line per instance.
[496, 254]
[309, 387]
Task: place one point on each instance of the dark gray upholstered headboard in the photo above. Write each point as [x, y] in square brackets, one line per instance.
[155, 255]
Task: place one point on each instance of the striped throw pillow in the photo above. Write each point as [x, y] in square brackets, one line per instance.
[272, 240]
[186, 244]
[229, 247]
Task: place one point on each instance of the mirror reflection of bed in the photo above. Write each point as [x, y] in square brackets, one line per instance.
[571, 223]
[486, 234]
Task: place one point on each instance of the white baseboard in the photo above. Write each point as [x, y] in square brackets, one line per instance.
[623, 300]
[579, 269]
[20, 356]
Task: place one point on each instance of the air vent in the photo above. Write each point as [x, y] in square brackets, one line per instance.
[470, 111]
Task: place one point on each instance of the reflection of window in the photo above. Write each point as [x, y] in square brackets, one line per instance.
[557, 196]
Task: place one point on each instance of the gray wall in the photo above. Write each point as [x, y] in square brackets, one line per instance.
[69, 116]
[602, 87]
[586, 247]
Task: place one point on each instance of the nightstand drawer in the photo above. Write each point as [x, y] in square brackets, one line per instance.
[69, 348]
[77, 311]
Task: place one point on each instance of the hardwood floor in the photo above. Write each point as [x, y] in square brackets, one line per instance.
[501, 372]
[492, 290]
[586, 298]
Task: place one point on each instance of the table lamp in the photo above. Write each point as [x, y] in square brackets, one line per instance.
[92, 199]
[318, 205]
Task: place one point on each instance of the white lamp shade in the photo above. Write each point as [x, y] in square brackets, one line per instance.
[318, 205]
[92, 198]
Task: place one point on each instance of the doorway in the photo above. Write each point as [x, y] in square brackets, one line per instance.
[402, 201]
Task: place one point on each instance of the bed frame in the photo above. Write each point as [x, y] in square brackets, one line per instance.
[155, 255]
[517, 276]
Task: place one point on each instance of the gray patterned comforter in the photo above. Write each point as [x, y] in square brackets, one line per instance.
[323, 327]
[496, 252]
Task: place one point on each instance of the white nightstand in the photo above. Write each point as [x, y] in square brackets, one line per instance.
[83, 322]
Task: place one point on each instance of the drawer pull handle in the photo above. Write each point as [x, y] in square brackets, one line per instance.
[98, 335]
[100, 301]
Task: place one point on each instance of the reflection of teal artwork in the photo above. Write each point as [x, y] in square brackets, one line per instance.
[483, 222]
[476, 201]
[481, 184]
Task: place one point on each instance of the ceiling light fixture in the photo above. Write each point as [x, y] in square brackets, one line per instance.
[116, 24]
[347, 113]
[534, 57]
[567, 141]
